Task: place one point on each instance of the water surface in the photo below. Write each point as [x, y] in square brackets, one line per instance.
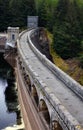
[6, 118]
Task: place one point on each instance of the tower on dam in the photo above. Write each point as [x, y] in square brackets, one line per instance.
[10, 47]
[13, 34]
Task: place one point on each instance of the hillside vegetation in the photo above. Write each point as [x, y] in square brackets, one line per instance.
[70, 66]
[64, 19]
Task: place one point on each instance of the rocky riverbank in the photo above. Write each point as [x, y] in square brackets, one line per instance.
[15, 127]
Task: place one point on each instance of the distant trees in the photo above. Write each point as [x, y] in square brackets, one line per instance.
[14, 12]
[67, 31]
[42, 13]
[64, 18]
[4, 14]
[45, 10]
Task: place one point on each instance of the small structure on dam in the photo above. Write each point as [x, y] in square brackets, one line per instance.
[32, 21]
[13, 34]
[10, 47]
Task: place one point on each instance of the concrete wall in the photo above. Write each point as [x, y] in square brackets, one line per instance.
[72, 84]
[61, 114]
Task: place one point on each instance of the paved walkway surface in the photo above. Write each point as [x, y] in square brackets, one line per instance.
[68, 98]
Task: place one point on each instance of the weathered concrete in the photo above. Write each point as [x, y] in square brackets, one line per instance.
[72, 84]
[2, 43]
[63, 104]
[30, 115]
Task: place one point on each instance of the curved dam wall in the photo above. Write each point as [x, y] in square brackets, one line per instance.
[72, 84]
[68, 120]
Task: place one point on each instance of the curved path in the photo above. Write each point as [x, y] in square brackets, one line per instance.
[67, 97]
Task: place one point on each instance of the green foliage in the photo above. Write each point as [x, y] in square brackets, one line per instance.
[81, 60]
[65, 19]
[68, 32]
[45, 11]
[42, 13]
[15, 12]
[4, 14]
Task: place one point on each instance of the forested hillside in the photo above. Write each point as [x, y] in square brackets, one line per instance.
[14, 12]
[63, 18]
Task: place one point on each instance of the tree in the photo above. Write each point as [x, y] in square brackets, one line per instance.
[4, 14]
[42, 13]
[67, 32]
[20, 9]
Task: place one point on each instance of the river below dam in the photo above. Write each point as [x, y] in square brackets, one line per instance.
[6, 118]
[10, 114]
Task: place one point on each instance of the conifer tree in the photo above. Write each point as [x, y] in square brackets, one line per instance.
[42, 13]
[67, 31]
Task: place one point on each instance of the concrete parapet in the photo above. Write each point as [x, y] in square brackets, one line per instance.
[71, 83]
[69, 121]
